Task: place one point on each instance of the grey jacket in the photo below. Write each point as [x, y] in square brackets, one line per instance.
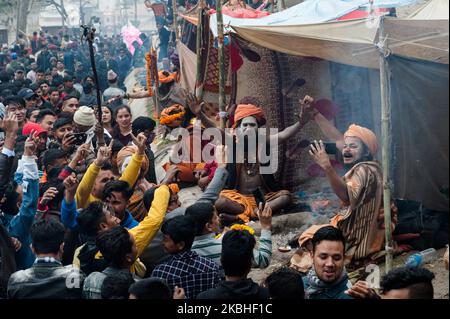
[154, 254]
[46, 280]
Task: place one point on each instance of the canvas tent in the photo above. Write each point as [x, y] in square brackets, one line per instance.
[308, 12]
[417, 59]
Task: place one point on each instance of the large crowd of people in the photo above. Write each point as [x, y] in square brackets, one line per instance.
[83, 214]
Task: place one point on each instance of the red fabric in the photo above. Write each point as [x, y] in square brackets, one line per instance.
[236, 59]
[42, 208]
[327, 108]
[32, 127]
[211, 168]
[360, 14]
[244, 13]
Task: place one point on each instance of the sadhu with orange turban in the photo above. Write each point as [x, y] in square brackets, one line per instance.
[176, 116]
[246, 110]
[365, 135]
[362, 222]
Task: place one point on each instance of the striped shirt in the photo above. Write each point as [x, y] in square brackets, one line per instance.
[211, 247]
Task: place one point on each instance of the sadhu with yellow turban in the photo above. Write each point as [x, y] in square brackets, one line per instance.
[361, 191]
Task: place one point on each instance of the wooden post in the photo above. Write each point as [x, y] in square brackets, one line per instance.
[221, 52]
[175, 17]
[385, 143]
[272, 6]
[199, 79]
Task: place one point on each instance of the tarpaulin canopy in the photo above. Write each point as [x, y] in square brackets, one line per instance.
[308, 12]
[355, 42]
[433, 10]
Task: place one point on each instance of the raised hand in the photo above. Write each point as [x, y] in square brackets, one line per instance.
[103, 156]
[307, 111]
[265, 216]
[307, 100]
[10, 124]
[319, 155]
[82, 152]
[68, 141]
[48, 196]
[31, 144]
[140, 141]
[71, 183]
[171, 175]
[193, 104]
[100, 134]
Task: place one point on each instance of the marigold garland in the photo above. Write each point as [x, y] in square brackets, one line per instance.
[239, 227]
[242, 228]
[171, 118]
[174, 188]
[148, 58]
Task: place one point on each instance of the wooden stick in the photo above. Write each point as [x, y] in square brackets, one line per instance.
[385, 145]
[221, 53]
[175, 22]
[199, 79]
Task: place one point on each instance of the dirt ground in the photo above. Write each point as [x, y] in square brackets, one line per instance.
[288, 226]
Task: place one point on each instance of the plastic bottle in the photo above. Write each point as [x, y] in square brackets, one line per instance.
[421, 258]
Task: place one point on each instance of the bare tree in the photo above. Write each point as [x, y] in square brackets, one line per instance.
[23, 10]
[60, 8]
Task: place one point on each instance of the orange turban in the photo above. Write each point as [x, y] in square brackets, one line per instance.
[166, 77]
[171, 114]
[246, 110]
[128, 151]
[174, 188]
[365, 135]
[200, 166]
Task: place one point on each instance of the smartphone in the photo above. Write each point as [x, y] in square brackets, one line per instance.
[259, 197]
[80, 138]
[330, 148]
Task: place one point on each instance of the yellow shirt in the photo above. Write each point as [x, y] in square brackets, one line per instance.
[145, 231]
[84, 195]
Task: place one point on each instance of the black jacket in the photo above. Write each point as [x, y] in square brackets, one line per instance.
[6, 167]
[242, 289]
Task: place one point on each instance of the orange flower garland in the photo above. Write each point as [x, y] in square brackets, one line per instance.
[242, 228]
[238, 227]
[171, 118]
[148, 58]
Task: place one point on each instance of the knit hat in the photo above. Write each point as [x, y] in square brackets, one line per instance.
[85, 116]
[112, 75]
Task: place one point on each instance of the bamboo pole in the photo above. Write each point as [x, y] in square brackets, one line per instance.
[199, 79]
[175, 19]
[221, 52]
[385, 145]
